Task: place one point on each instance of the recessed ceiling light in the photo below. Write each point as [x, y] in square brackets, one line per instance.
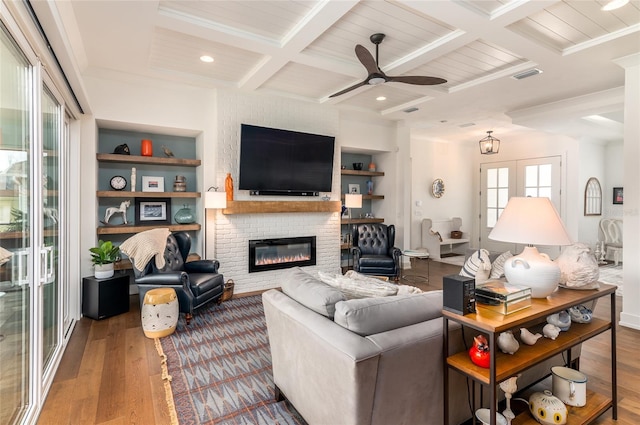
[381, 98]
[614, 4]
[206, 58]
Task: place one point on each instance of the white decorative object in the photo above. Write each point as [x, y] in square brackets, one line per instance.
[484, 416]
[508, 343]
[531, 221]
[160, 310]
[548, 409]
[509, 387]
[551, 331]
[580, 314]
[578, 266]
[529, 338]
[103, 271]
[569, 385]
[122, 209]
[561, 320]
[133, 179]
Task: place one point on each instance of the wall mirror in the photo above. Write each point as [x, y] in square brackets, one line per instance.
[593, 197]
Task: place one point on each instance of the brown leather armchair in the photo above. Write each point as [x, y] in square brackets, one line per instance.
[373, 250]
[196, 282]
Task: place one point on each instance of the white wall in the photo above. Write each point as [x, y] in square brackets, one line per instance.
[614, 177]
[592, 158]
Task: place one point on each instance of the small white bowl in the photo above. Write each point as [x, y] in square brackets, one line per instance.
[484, 416]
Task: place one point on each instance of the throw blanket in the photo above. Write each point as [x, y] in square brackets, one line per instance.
[142, 246]
[356, 285]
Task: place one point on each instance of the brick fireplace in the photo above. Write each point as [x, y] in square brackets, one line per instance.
[281, 253]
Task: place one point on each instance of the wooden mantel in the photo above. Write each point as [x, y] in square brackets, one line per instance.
[258, 207]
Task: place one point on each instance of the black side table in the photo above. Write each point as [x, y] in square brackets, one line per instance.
[102, 298]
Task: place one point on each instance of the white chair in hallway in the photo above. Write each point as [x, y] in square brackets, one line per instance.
[611, 233]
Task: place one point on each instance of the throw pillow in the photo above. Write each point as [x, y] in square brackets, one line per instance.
[311, 292]
[477, 260]
[497, 268]
[369, 316]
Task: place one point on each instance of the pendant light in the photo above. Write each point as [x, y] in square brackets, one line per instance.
[489, 145]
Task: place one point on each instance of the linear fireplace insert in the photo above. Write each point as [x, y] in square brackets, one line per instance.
[281, 253]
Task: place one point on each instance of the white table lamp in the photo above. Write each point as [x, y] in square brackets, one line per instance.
[531, 221]
[352, 200]
[213, 200]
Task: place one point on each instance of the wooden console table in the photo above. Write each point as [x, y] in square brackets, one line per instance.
[504, 366]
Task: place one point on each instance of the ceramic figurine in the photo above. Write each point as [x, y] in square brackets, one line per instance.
[479, 353]
[529, 338]
[167, 151]
[580, 314]
[551, 331]
[561, 320]
[122, 209]
[508, 343]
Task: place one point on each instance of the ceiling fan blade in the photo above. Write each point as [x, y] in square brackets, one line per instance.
[366, 59]
[348, 89]
[419, 80]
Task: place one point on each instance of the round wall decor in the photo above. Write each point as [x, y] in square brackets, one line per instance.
[437, 188]
[118, 182]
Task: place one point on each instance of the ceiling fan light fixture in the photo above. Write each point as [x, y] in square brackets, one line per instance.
[375, 80]
[614, 4]
[489, 145]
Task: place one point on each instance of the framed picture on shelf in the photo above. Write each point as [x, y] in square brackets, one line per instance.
[152, 184]
[354, 188]
[618, 196]
[153, 211]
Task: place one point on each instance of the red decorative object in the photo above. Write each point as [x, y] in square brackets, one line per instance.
[146, 148]
[479, 353]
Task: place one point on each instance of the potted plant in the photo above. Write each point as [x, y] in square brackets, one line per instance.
[103, 256]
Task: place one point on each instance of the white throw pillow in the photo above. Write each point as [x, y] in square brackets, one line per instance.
[477, 260]
[497, 268]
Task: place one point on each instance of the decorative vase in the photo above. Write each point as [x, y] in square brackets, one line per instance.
[103, 271]
[180, 184]
[184, 216]
[372, 166]
[146, 147]
[369, 187]
[228, 187]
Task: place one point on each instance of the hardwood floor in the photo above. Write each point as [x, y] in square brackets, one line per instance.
[110, 372]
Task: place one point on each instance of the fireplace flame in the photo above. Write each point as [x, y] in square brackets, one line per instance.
[282, 259]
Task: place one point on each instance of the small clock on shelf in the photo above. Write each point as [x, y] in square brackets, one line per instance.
[118, 183]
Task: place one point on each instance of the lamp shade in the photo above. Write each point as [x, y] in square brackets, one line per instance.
[530, 221]
[352, 200]
[215, 200]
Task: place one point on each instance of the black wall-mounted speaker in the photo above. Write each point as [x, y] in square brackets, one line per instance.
[459, 294]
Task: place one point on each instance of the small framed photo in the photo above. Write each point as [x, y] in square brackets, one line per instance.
[354, 188]
[153, 210]
[152, 184]
[618, 195]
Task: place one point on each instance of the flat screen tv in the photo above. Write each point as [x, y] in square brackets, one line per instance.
[284, 162]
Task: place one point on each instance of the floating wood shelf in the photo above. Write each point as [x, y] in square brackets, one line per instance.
[367, 196]
[362, 220]
[149, 160]
[362, 173]
[124, 229]
[257, 207]
[128, 194]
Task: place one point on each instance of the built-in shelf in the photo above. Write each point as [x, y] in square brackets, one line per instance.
[124, 229]
[256, 207]
[128, 194]
[362, 173]
[149, 160]
[362, 220]
[125, 263]
[21, 235]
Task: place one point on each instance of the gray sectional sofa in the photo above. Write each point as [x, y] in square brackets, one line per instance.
[364, 361]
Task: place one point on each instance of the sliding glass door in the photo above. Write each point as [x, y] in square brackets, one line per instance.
[16, 124]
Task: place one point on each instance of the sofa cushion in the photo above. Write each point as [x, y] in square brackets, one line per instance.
[368, 316]
[311, 292]
[477, 260]
[497, 267]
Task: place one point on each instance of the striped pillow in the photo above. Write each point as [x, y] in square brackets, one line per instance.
[477, 260]
[497, 268]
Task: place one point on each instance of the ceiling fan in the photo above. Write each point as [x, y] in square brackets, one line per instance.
[376, 76]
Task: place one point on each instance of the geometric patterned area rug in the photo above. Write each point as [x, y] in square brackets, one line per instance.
[612, 274]
[220, 367]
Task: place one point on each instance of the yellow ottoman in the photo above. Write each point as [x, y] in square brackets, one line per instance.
[160, 311]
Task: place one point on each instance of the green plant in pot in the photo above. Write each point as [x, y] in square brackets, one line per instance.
[103, 256]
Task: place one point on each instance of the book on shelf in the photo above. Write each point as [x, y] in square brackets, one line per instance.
[502, 297]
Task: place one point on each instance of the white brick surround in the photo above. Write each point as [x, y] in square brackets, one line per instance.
[233, 232]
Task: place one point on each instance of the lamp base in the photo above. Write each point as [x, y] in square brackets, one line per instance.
[535, 270]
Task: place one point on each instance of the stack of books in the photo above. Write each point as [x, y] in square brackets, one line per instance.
[502, 297]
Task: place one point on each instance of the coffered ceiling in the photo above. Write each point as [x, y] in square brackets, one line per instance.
[305, 50]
